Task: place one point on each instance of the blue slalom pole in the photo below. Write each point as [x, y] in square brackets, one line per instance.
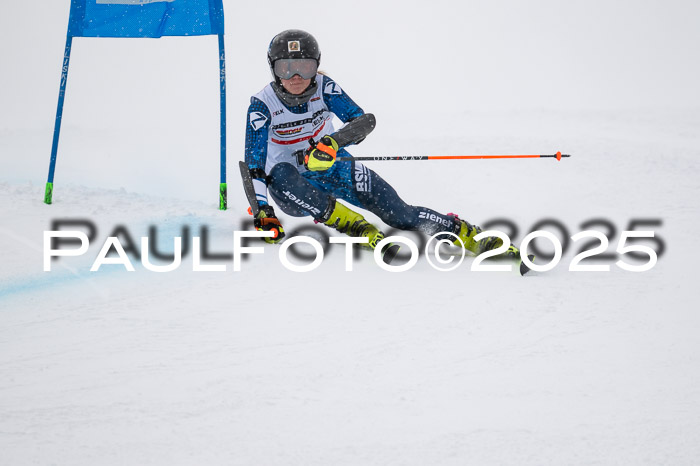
[48, 194]
[222, 79]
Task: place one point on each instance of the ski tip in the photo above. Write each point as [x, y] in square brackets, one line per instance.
[524, 268]
[390, 253]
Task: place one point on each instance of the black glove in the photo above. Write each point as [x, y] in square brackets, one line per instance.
[267, 221]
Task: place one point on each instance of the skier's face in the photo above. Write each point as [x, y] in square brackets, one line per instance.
[296, 84]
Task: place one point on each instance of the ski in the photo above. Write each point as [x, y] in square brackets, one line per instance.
[524, 268]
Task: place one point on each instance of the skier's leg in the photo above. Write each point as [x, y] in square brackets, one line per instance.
[351, 181]
[298, 196]
[294, 194]
[379, 197]
[310, 194]
[357, 184]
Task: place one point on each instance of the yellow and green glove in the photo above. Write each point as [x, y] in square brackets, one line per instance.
[321, 155]
[267, 221]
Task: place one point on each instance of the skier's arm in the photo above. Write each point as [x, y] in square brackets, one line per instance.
[355, 131]
[256, 135]
[257, 128]
[358, 123]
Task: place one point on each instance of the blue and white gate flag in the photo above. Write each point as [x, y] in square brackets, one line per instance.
[145, 18]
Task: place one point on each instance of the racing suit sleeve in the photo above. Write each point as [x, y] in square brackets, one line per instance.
[358, 124]
[256, 135]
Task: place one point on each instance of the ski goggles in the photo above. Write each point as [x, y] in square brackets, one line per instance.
[285, 68]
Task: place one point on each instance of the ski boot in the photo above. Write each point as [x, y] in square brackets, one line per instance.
[354, 224]
[466, 233]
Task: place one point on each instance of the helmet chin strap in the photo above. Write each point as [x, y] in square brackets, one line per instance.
[292, 100]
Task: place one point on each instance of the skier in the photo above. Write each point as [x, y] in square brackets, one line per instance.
[291, 149]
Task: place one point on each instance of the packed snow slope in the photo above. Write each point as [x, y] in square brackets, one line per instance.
[367, 367]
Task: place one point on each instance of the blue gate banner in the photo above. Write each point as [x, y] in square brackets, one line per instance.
[145, 18]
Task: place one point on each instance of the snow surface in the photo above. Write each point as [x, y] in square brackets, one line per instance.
[270, 367]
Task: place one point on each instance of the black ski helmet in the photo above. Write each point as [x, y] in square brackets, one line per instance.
[292, 43]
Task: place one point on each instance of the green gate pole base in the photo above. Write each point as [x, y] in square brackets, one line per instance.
[48, 194]
[222, 197]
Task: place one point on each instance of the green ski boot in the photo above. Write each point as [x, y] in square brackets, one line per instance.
[466, 233]
[354, 224]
